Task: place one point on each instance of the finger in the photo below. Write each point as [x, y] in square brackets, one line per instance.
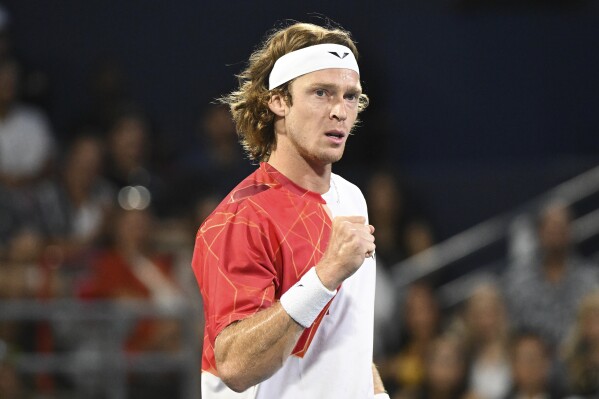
[365, 235]
[371, 228]
[370, 248]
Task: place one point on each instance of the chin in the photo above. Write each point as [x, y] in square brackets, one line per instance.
[330, 158]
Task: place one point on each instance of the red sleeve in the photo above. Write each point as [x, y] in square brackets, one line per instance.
[234, 264]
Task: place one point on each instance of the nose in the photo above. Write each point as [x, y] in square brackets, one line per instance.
[338, 110]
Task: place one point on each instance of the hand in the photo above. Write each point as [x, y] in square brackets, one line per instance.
[350, 243]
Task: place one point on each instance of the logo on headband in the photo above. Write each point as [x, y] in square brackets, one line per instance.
[336, 54]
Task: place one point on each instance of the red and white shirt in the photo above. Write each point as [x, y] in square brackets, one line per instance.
[258, 243]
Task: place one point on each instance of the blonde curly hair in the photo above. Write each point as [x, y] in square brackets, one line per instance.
[249, 103]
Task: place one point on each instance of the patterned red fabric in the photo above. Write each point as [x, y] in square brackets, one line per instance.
[249, 252]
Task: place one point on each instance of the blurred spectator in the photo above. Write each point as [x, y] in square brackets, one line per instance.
[20, 278]
[445, 372]
[400, 231]
[544, 295]
[214, 157]
[404, 371]
[129, 161]
[26, 143]
[108, 91]
[483, 328]
[20, 271]
[34, 82]
[582, 354]
[129, 270]
[531, 368]
[73, 208]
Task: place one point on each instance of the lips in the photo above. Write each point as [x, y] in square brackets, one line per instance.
[335, 134]
[335, 137]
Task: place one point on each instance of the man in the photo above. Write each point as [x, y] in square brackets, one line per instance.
[285, 263]
[543, 295]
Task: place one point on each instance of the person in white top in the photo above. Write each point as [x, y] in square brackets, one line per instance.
[26, 142]
[286, 263]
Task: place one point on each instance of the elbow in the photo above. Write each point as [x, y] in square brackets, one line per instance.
[233, 377]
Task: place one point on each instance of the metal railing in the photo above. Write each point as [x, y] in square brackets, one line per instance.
[490, 232]
[95, 333]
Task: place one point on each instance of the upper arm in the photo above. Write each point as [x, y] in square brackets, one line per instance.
[233, 262]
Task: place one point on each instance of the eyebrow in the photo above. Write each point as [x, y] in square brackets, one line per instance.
[333, 87]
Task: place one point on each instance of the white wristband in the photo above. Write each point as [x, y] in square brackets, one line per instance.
[306, 298]
[383, 395]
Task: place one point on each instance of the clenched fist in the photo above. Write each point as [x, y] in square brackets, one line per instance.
[351, 241]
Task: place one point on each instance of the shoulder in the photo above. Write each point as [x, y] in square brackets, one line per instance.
[244, 206]
[23, 113]
[349, 192]
[346, 185]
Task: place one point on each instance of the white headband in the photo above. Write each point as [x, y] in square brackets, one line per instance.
[310, 59]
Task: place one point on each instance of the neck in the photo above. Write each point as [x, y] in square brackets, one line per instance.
[312, 176]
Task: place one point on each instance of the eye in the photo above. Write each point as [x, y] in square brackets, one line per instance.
[351, 97]
[320, 92]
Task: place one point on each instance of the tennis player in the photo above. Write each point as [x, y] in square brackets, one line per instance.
[285, 263]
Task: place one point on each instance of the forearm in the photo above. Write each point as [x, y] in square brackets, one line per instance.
[253, 349]
[378, 382]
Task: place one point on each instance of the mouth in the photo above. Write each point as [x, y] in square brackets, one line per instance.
[336, 135]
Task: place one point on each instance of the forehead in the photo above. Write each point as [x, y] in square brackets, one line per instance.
[341, 78]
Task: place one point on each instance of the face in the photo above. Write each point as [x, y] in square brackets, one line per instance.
[445, 366]
[324, 109]
[554, 231]
[485, 313]
[129, 140]
[530, 364]
[421, 312]
[86, 160]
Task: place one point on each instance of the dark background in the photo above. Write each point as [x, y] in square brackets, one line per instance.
[478, 106]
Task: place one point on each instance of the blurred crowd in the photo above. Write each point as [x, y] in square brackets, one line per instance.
[531, 331]
[104, 212]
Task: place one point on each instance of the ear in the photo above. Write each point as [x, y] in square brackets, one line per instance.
[277, 104]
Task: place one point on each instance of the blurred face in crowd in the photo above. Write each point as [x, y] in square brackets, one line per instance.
[418, 238]
[384, 196]
[445, 367]
[554, 230]
[84, 162]
[485, 314]
[530, 365]
[128, 142]
[422, 313]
